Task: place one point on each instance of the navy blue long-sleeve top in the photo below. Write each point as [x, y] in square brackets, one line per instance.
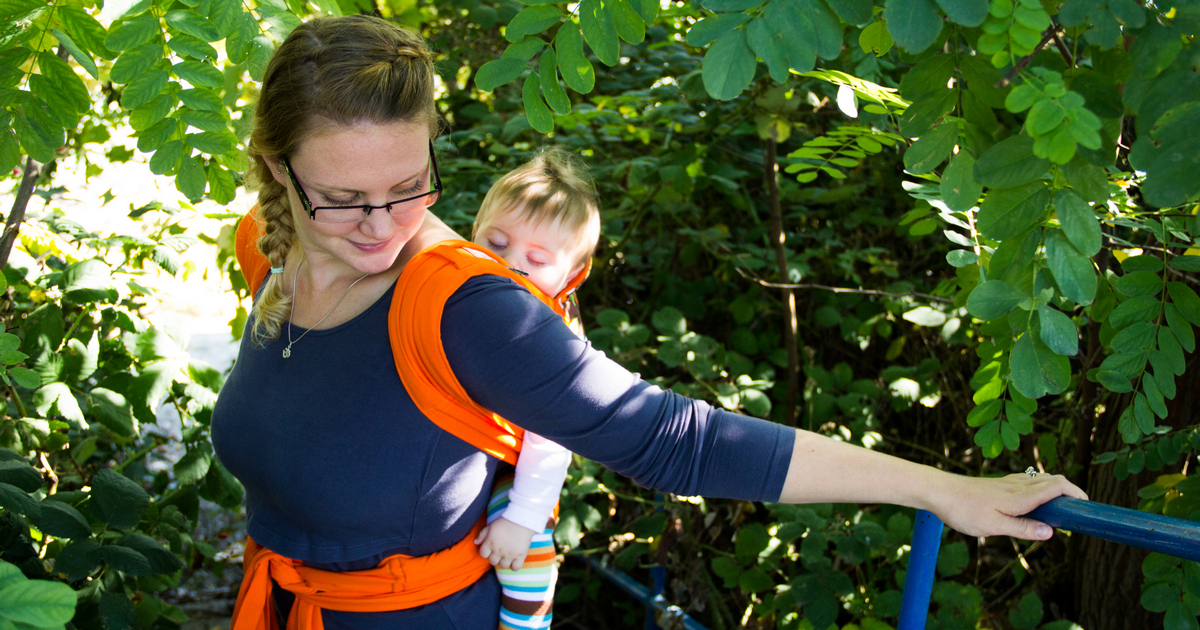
[341, 469]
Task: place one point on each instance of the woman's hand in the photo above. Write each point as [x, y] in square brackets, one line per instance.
[993, 506]
[824, 470]
[504, 543]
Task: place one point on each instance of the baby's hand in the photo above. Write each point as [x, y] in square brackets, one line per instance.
[504, 543]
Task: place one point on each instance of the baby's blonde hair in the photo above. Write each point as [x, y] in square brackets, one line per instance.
[551, 188]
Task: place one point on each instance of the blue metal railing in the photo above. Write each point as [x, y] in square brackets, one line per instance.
[1171, 536]
[657, 606]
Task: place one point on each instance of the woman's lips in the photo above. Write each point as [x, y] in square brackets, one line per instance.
[370, 248]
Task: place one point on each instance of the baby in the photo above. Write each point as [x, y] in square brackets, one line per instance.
[543, 218]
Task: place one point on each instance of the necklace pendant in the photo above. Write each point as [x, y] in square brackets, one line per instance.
[287, 352]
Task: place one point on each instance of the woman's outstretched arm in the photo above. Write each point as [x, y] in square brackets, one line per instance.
[826, 470]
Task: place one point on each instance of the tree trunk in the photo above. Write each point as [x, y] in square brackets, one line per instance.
[778, 241]
[1108, 576]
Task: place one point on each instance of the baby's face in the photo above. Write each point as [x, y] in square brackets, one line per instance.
[547, 252]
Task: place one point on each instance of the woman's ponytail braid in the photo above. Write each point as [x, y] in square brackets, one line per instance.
[273, 307]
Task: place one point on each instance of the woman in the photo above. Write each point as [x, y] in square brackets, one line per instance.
[342, 470]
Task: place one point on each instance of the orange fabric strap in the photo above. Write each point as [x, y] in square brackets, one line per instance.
[398, 583]
[415, 330]
[254, 265]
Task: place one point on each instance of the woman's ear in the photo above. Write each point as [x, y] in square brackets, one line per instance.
[276, 166]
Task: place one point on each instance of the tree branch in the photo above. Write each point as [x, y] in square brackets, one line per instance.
[771, 182]
[16, 215]
[776, 285]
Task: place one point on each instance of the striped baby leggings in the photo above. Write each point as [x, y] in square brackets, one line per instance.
[527, 595]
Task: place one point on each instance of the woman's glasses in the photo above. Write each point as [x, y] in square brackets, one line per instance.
[340, 215]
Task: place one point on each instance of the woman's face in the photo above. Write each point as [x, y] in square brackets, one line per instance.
[364, 164]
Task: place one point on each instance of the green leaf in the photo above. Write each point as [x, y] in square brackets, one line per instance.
[962, 258]
[87, 281]
[25, 377]
[1114, 381]
[539, 115]
[628, 23]
[711, 28]
[213, 143]
[160, 558]
[555, 95]
[984, 413]
[225, 16]
[199, 73]
[116, 611]
[1088, 180]
[914, 24]
[10, 150]
[126, 560]
[927, 77]
[531, 21]
[1154, 397]
[1186, 300]
[1137, 283]
[221, 185]
[856, 12]
[1178, 616]
[599, 31]
[79, 54]
[116, 500]
[1189, 263]
[166, 158]
[17, 500]
[725, 6]
[78, 559]
[1170, 157]
[1078, 221]
[193, 466]
[959, 189]
[191, 23]
[112, 410]
[19, 473]
[993, 299]
[969, 13]
[37, 603]
[1135, 338]
[827, 29]
[40, 135]
[1010, 163]
[1139, 309]
[1171, 351]
[1142, 262]
[926, 111]
[60, 397]
[205, 121]
[1073, 272]
[498, 72]
[728, 66]
[143, 89]
[1007, 212]
[191, 178]
[85, 30]
[1180, 326]
[62, 521]
[769, 46]
[136, 61]
[201, 99]
[576, 70]
[1058, 331]
[1036, 370]
[932, 149]
[796, 31]
[133, 32]
[188, 46]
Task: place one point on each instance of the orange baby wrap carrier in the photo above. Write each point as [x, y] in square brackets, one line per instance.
[414, 330]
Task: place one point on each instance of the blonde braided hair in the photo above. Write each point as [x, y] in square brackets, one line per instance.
[329, 72]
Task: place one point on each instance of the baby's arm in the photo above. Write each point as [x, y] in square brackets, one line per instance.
[541, 471]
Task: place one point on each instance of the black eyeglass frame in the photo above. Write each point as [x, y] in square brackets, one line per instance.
[367, 208]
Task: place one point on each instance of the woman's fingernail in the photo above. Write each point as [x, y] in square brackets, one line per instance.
[1043, 531]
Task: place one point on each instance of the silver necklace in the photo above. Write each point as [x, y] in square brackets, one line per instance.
[287, 352]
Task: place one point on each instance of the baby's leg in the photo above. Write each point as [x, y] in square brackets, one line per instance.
[527, 595]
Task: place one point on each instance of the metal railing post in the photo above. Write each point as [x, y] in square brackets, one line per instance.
[922, 564]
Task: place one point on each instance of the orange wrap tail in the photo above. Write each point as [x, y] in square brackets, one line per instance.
[399, 582]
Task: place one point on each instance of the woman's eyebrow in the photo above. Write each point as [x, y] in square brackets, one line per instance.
[404, 183]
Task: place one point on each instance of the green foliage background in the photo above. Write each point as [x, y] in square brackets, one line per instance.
[963, 231]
